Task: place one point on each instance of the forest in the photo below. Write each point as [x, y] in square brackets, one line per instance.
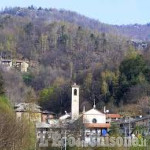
[63, 47]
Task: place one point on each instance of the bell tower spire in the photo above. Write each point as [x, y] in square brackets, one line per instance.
[75, 102]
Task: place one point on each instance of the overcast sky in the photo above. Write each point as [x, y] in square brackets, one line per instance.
[107, 11]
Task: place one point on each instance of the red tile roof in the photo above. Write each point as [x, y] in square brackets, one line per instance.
[113, 116]
[97, 125]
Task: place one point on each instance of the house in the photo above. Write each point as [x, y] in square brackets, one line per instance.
[30, 111]
[47, 115]
[21, 65]
[41, 128]
[138, 44]
[18, 64]
[113, 117]
[7, 63]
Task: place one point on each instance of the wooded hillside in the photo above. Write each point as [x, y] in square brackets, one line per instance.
[66, 48]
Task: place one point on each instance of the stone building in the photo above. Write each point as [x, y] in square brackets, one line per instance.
[18, 64]
[30, 111]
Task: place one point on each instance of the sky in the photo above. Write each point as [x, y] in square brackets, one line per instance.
[107, 11]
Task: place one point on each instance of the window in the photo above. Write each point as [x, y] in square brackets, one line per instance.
[94, 120]
[75, 91]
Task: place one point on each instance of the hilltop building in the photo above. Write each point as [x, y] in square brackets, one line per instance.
[21, 65]
[7, 63]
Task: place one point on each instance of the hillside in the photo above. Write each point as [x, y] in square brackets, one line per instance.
[66, 48]
[135, 31]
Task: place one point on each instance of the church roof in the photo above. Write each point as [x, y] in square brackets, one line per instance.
[93, 111]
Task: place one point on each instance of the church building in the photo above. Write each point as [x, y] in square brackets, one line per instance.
[94, 122]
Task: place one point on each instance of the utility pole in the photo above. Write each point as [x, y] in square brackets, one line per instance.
[129, 126]
[35, 137]
[125, 131]
[65, 140]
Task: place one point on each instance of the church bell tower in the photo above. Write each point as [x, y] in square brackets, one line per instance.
[75, 102]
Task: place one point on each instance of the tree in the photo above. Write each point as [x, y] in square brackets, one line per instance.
[19, 134]
[133, 71]
[87, 86]
[49, 99]
[132, 68]
[1, 84]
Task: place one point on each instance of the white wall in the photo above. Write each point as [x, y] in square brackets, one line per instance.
[94, 114]
[99, 118]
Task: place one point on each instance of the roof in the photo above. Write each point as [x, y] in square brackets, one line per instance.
[66, 116]
[113, 115]
[97, 125]
[141, 119]
[93, 111]
[133, 120]
[75, 85]
[42, 125]
[6, 60]
[48, 112]
[22, 107]
[10, 60]
[21, 61]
